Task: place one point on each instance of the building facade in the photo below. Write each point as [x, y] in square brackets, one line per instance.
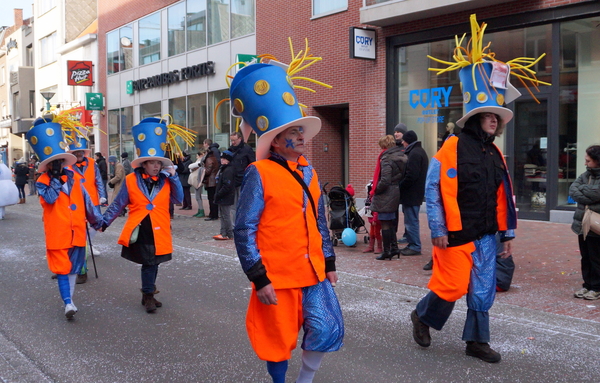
[168, 59]
[545, 142]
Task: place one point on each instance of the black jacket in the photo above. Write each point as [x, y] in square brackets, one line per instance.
[21, 174]
[243, 155]
[183, 170]
[480, 173]
[102, 167]
[225, 191]
[412, 186]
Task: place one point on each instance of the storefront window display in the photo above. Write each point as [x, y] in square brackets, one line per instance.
[544, 143]
[151, 109]
[177, 113]
[198, 116]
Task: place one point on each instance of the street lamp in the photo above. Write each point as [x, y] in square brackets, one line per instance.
[47, 96]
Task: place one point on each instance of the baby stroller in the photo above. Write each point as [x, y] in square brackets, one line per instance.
[343, 214]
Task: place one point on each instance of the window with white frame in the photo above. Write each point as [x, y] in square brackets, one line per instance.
[46, 5]
[149, 38]
[323, 7]
[48, 49]
[176, 29]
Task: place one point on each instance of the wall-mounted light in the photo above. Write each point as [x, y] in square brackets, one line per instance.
[326, 147]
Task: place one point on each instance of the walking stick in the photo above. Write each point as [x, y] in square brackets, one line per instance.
[87, 229]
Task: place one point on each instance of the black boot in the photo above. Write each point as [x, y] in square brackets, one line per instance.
[483, 352]
[148, 299]
[385, 235]
[157, 303]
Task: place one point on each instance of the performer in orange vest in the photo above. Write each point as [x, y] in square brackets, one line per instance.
[281, 231]
[66, 206]
[146, 236]
[92, 180]
[469, 199]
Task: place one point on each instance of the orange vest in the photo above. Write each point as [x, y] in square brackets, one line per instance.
[158, 208]
[288, 238]
[447, 156]
[64, 220]
[89, 179]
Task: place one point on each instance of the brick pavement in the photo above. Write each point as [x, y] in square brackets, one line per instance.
[546, 255]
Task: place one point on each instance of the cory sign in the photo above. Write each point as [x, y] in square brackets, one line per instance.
[80, 73]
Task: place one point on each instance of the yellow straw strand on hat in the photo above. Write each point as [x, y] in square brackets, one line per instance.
[173, 132]
[215, 112]
[477, 54]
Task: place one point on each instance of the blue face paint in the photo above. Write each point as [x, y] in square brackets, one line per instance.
[301, 129]
[289, 143]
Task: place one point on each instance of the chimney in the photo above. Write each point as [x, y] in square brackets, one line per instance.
[18, 17]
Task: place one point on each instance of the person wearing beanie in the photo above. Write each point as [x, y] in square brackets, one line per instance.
[126, 163]
[225, 195]
[412, 190]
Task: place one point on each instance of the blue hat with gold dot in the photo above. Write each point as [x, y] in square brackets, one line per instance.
[47, 141]
[80, 143]
[150, 140]
[263, 96]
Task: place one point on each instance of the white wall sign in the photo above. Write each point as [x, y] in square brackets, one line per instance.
[363, 43]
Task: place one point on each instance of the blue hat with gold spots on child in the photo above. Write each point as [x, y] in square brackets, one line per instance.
[80, 143]
[47, 141]
[263, 96]
[150, 140]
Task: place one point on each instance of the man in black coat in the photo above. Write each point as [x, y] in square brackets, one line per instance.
[412, 190]
[243, 155]
[101, 162]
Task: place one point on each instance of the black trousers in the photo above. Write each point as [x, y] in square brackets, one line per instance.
[590, 262]
[187, 197]
[213, 207]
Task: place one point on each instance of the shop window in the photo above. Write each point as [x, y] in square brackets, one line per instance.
[178, 112]
[176, 29]
[151, 109]
[48, 49]
[149, 39]
[221, 125]
[120, 140]
[218, 21]
[196, 24]
[242, 18]
[325, 7]
[198, 116]
[579, 99]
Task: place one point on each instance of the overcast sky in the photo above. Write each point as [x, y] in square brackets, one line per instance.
[7, 15]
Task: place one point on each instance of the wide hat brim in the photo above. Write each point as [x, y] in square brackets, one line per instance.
[138, 161]
[505, 114]
[311, 125]
[69, 159]
[86, 152]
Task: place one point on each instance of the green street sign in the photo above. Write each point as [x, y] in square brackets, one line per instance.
[248, 59]
[94, 101]
[129, 87]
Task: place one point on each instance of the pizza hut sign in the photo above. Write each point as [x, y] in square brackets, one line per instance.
[80, 73]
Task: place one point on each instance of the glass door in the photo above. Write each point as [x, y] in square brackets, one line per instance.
[530, 154]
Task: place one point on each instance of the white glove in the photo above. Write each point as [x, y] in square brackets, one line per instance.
[102, 201]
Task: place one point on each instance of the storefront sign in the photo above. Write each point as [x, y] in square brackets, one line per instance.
[172, 77]
[430, 99]
[246, 59]
[363, 43]
[94, 101]
[79, 73]
[82, 115]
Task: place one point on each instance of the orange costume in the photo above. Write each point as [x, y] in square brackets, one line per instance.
[66, 206]
[280, 241]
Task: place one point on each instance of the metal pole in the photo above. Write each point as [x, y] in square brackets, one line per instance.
[87, 229]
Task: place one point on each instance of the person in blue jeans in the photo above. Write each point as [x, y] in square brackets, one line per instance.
[412, 190]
